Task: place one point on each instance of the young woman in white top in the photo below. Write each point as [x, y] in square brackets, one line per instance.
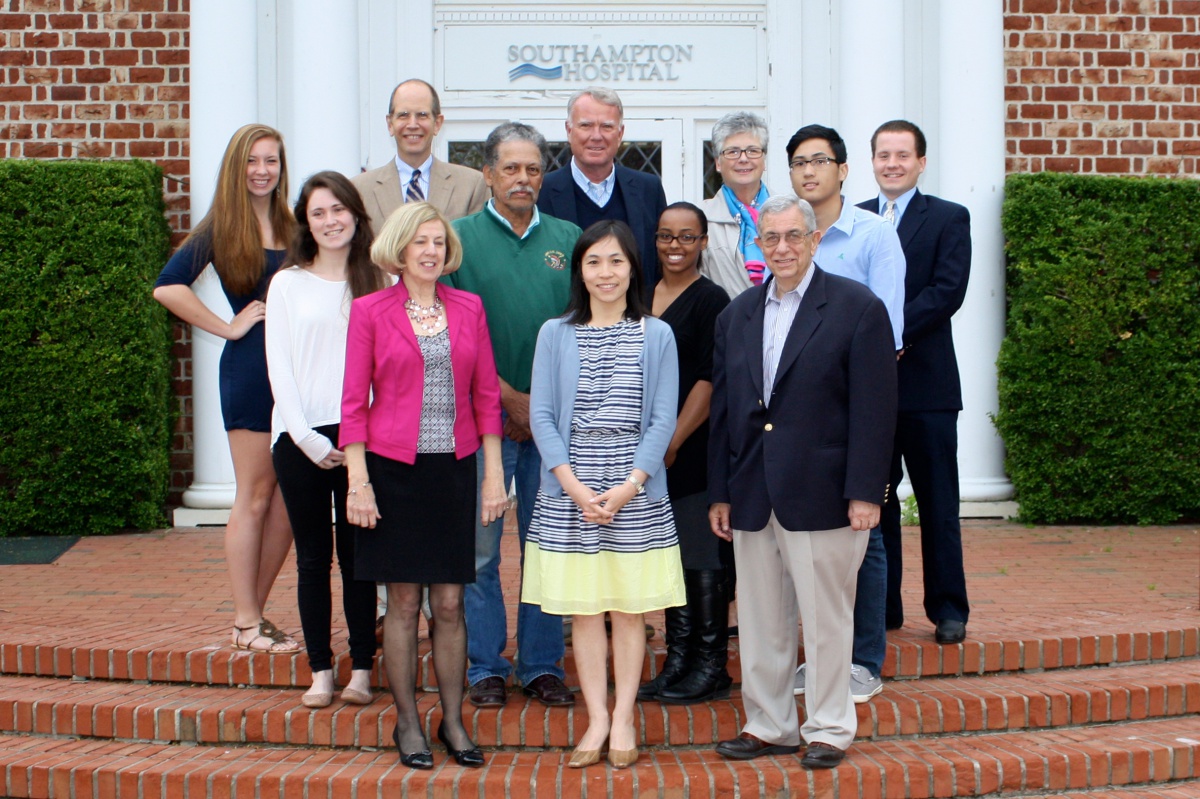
[308, 310]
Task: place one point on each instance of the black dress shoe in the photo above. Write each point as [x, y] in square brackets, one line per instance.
[488, 692]
[550, 691]
[950, 631]
[821, 755]
[419, 760]
[468, 758]
[748, 747]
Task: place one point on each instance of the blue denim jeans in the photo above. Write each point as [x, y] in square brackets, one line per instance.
[539, 635]
[870, 605]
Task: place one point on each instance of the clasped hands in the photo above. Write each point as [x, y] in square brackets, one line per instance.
[601, 508]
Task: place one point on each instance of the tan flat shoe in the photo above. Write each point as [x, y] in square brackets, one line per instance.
[354, 697]
[319, 699]
[622, 758]
[582, 758]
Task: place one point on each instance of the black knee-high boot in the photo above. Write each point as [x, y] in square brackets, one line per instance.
[707, 678]
[677, 635]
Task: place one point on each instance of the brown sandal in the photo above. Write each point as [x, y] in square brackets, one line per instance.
[264, 631]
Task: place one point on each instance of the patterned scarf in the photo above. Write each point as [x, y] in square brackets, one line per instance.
[747, 218]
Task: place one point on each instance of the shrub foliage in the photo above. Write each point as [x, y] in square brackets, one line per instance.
[84, 349]
[1100, 369]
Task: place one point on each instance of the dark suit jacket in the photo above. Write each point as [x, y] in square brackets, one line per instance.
[455, 190]
[644, 203]
[936, 237]
[826, 437]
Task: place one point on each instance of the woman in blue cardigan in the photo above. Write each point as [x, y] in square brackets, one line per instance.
[602, 539]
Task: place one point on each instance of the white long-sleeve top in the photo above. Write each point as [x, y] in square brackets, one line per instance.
[307, 317]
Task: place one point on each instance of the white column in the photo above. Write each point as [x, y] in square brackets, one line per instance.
[321, 90]
[971, 156]
[792, 82]
[870, 83]
[224, 97]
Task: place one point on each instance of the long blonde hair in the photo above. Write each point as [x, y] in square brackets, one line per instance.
[230, 224]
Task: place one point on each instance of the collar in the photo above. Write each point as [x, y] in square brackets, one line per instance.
[405, 171]
[901, 203]
[583, 181]
[805, 282]
[845, 220]
[491, 209]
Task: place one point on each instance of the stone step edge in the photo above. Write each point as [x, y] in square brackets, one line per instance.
[1143, 753]
[274, 717]
[221, 665]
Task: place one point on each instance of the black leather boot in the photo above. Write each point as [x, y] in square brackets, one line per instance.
[708, 597]
[679, 630]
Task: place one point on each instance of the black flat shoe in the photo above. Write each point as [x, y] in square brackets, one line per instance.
[467, 758]
[419, 760]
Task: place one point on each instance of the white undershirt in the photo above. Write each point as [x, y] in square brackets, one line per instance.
[307, 318]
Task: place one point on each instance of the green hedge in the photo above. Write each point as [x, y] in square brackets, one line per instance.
[1100, 370]
[85, 394]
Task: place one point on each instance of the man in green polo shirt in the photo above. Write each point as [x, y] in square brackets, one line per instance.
[518, 261]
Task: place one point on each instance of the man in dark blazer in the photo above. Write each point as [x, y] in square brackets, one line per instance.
[803, 415]
[414, 118]
[594, 186]
[936, 237]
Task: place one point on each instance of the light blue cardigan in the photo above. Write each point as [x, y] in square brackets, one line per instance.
[552, 400]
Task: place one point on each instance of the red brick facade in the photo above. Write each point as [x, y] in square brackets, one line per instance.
[1107, 86]
[1100, 86]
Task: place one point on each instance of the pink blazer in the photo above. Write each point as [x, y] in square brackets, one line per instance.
[385, 375]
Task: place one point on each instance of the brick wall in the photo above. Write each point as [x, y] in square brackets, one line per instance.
[1103, 86]
[105, 79]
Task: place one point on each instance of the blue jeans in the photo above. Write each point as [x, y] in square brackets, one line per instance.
[870, 605]
[539, 635]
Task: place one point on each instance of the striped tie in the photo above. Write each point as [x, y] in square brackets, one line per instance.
[414, 194]
[889, 212]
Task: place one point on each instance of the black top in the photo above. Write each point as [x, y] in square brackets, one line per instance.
[692, 317]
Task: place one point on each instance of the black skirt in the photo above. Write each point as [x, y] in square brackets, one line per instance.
[426, 530]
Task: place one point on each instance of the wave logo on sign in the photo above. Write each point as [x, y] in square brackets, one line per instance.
[534, 71]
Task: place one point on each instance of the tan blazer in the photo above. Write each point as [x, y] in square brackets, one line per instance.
[454, 190]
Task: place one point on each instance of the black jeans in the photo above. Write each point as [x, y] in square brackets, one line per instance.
[307, 489]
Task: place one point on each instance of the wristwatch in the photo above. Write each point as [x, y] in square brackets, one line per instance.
[638, 484]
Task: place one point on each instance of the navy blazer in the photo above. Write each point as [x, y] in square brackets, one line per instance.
[826, 436]
[936, 237]
[644, 199]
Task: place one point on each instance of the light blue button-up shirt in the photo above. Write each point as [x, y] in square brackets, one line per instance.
[600, 192]
[537, 218]
[901, 203]
[860, 245]
[406, 173]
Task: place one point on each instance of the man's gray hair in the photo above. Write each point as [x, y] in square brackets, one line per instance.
[738, 122]
[601, 95]
[785, 202]
[513, 131]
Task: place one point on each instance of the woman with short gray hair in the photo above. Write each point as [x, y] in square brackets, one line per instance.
[733, 261]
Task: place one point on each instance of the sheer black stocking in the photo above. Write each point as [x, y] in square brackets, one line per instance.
[400, 661]
[449, 633]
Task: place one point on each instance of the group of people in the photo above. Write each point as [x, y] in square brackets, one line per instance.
[677, 394]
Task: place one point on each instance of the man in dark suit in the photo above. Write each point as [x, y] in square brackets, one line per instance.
[594, 186]
[803, 415]
[414, 118]
[936, 237]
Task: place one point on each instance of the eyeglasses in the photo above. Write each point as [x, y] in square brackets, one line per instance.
[684, 238]
[820, 160]
[793, 237]
[734, 153]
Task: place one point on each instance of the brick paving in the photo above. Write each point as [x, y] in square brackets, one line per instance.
[1022, 708]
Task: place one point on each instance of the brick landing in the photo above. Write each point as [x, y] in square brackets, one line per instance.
[1081, 673]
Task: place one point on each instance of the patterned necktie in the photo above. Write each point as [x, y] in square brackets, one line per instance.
[414, 193]
[889, 212]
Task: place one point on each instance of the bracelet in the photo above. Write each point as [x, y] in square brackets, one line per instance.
[355, 490]
[638, 485]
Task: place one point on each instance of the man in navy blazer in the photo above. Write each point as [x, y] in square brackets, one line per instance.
[936, 237]
[802, 420]
[594, 186]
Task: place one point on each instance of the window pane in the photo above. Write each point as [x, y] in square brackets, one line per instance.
[642, 156]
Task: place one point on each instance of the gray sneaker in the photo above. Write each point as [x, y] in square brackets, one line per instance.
[862, 685]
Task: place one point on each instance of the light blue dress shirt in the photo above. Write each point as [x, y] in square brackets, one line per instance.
[406, 173]
[600, 192]
[778, 316]
[862, 246]
[901, 203]
[537, 218]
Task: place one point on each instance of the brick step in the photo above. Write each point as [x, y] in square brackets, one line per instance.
[995, 764]
[172, 653]
[933, 707]
[1187, 789]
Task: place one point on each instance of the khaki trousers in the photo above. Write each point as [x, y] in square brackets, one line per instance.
[815, 573]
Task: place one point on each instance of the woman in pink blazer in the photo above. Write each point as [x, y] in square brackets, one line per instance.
[419, 397]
